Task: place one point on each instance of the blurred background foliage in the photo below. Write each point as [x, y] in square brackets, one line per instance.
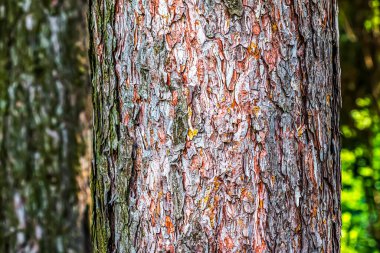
[360, 124]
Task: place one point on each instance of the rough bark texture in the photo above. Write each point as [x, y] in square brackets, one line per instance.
[43, 84]
[216, 126]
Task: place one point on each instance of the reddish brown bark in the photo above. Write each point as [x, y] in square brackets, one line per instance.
[216, 126]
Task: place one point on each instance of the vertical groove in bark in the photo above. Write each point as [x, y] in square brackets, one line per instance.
[42, 89]
[216, 126]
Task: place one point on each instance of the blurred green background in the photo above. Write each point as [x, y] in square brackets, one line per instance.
[360, 124]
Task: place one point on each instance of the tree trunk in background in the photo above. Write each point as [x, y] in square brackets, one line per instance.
[43, 85]
[216, 126]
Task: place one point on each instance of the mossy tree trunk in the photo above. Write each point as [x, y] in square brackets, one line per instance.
[216, 126]
[43, 85]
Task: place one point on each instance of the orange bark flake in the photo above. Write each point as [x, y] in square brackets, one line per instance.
[170, 248]
[175, 98]
[161, 136]
[254, 50]
[261, 203]
[200, 71]
[274, 27]
[246, 194]
[135, 38]
[126, 119]
[192, 133]
[119, 6]
[99, 51]
[256, 110]
[168, 80]
[228, 242]
[256, 29]
[169, 225]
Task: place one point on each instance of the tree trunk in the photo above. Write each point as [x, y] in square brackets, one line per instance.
[216, 126]
[42, 91]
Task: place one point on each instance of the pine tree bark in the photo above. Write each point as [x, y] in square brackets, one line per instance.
[43, 84]
[216, 126]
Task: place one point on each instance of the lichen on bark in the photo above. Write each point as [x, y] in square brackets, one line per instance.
[234, 7]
